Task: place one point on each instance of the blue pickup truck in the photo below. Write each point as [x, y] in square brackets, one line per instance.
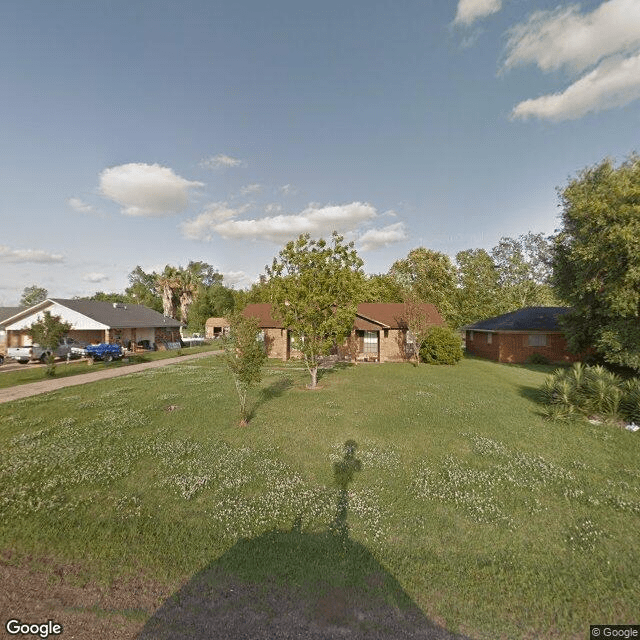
[104, 351]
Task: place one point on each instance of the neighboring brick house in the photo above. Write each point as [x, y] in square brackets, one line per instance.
[516, 336]
[97, 321]
[379, 331]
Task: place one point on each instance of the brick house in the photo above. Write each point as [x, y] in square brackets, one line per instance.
[380, 332]
[96, 321]
[514, 337]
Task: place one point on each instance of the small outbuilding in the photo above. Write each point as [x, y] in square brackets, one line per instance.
[97, 321]
[216, 328]
[515, 337]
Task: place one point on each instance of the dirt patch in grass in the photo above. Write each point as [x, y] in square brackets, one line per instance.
[212, 605]
[85, 610]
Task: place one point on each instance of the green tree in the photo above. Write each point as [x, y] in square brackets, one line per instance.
[478, 292]
[212, 301]
[142, 289]
[47, 333]
[382, 287]
[431, 277]
[524, 271]
[245, 356]
[33, 295]
[596, 260]
[315, 288]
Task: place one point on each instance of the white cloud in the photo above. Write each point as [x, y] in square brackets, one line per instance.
[221, 161]
[250, 188]
[565, 38]
[95, 277]
[314, 220]
[273, 207]
[471, 10]
[80, 206]
[232, 278]
[376, 238]
[148, 190]
[286, 189]
[28, 255]
[614, 83]
[204, 226]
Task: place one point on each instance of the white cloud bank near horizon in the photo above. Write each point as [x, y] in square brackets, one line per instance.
[146, 190]
[9, 255]
[605, 41]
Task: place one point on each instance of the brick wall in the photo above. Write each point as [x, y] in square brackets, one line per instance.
[514, 347]
[392, 347]
[479, 346]
[276, 343]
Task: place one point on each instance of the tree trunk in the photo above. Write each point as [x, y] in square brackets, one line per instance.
[314, 377]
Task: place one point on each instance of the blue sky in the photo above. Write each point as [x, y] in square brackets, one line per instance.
[147, 133]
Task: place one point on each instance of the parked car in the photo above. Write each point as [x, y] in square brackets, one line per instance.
[66, 347]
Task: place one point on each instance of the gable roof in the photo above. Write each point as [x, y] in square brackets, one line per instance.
[370, 316]
[527, 319]
[113, 315]
[8, 312]
[262, 311]
[391, 315]
[117, 315]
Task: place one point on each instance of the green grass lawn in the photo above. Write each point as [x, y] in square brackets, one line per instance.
[493, 521]
[64, 369]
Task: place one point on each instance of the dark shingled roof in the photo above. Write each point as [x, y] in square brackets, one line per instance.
[8, 312]
[371, 316]
[527, 319]
[120, 317]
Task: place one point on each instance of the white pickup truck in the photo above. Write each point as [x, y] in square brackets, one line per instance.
[66, 346]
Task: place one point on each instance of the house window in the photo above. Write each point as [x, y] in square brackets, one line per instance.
[386, 333]
[295, 342]
[470, 334]
[537, 340]
[489, 338]
[370, 342]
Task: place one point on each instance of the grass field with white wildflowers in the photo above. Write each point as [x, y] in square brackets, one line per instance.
[494, 521]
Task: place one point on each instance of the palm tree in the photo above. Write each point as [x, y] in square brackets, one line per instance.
[167, 283]
[188, 281]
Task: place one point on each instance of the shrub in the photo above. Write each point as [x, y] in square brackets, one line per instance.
[442, 346]
[585, 390]
[538, 358]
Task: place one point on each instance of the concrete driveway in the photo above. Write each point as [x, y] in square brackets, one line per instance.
[35, 388]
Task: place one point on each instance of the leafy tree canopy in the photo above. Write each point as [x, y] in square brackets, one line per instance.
[430, 276]
[48, 330]
[596, 260]
[33, 295]
[315, 287]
